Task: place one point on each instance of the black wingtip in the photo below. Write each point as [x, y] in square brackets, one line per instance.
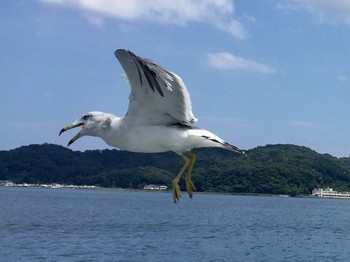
[122, 50]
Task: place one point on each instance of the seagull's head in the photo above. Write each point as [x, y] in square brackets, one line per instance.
[92, 124]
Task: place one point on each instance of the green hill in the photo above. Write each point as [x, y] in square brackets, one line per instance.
[272, 169]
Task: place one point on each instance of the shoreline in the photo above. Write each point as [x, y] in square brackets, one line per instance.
[63, 186]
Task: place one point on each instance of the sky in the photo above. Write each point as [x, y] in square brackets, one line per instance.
[258, 72]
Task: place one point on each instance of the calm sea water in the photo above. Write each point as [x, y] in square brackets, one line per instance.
[101, 225]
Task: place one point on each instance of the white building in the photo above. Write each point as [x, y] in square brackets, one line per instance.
[155, 187]
[6, 183]
[330, 193]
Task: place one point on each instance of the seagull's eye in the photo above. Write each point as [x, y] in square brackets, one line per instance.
[86, 117]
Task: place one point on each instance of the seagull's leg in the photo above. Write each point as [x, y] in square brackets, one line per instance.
[175, 183]
[189, 184]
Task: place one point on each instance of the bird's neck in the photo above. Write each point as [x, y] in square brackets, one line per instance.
[111, 132]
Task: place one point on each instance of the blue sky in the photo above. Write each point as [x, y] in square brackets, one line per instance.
[259, 72]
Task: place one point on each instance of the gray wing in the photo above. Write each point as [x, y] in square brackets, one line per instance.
[157, 96]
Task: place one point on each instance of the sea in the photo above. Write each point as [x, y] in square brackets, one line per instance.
[41, 224]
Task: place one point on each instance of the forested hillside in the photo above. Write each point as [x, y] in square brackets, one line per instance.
[272, 169]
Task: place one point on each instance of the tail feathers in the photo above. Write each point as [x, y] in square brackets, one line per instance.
[225, 145]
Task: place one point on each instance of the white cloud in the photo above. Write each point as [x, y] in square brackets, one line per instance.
[228, 61]
[234, 27]
[303, 124]
[95, 20]
[342, 78]
[218, 13]
[332, 11]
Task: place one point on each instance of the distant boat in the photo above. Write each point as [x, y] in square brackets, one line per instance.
[329, 193]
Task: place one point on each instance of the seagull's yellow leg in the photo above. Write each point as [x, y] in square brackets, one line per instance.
[189, 184]
[175, 183]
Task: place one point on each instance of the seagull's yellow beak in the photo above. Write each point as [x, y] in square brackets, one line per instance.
[77, 136]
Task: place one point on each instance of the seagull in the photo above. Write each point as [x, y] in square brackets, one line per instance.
[159, 118]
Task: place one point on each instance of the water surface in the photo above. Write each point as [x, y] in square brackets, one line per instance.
[39, 224]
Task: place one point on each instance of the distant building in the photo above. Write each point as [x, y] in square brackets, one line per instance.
[329, 193]
[6, 183]
[155, 187]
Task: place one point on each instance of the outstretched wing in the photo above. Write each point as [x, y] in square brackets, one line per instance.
[157, 96]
